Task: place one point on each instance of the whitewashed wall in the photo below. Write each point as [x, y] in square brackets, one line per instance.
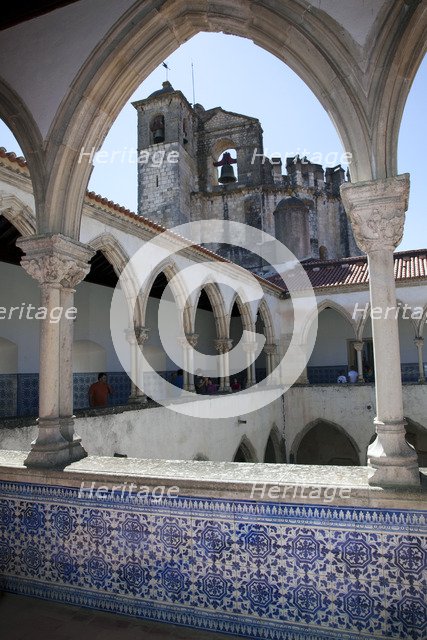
[163, 434]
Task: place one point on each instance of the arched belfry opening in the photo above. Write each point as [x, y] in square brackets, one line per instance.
[157, 129]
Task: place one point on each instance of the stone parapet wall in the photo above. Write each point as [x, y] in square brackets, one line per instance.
[215, 554]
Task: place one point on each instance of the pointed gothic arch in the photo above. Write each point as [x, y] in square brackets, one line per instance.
[18, 214]
[115, 254]
[245, 452]
[325, 442]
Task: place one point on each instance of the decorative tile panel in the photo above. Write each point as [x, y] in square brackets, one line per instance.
[28, 394]
[250, 569]
[8, 394]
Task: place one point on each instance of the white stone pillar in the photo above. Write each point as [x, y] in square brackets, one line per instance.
[58, 264]
[223, 346]
[188, 343]
[192, 343]
[270, 351]
[377, 212]
[137, 338]
[359, 348]
[300, 356]
[249, 348]
[141, 334]
[419, 343]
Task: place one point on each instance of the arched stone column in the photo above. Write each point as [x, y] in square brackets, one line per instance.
[270, 351]
[188, 344]
[359, 348]
[419, 343]
[223, 346]
[249, 348]
[377, 213]
[137, 338]
[58, 264]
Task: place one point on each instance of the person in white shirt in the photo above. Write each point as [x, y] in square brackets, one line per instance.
[352, 376]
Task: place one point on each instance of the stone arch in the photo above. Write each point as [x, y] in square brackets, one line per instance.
[346, 451]
[265, 315]
[118, 258]
[366, 317]
[274, 447]
[14, 112]
[389, 99]
[416, 435]
[216, 151]
[88, 357]
[291, 220]
[218, 306]
[363, 321]
[244, 310]
[157, 128]
[328, 304]
[245, 452]
[169, 268]
[421, 323]
[18, 214]
[313, 44]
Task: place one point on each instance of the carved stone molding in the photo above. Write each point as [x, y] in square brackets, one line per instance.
[376, 210]
[55, 260]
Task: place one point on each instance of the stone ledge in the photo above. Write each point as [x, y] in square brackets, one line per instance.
[298, 484]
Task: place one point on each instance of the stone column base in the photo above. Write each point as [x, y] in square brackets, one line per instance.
[57, 454]
[393, 460]
[138, 399]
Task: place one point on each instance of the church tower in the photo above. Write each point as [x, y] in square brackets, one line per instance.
[204, 164]
[167, 167]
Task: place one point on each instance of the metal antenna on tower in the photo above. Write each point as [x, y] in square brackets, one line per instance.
[192, 78]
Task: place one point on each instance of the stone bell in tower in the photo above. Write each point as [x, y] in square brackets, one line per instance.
[227, 173]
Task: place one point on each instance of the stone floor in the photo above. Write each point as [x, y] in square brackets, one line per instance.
[24, 618]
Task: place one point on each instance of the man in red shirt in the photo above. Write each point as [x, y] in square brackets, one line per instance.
[99, 392]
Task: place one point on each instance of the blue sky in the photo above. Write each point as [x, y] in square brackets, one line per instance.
[237, 75]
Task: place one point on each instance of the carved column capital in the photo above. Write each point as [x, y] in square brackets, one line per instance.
[55, 260]
[141, 335]
[188, 341]
[376, 209]
[270, 349]
[358, 345]
[223, 345]
[419, 342]
[192, 339]
[249, 347]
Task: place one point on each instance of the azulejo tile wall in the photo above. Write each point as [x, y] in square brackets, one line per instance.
[252, 569]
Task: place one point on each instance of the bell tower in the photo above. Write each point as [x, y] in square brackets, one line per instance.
[167, 164]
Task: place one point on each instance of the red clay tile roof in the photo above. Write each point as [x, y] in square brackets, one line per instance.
[408, 265]
[13, 157]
